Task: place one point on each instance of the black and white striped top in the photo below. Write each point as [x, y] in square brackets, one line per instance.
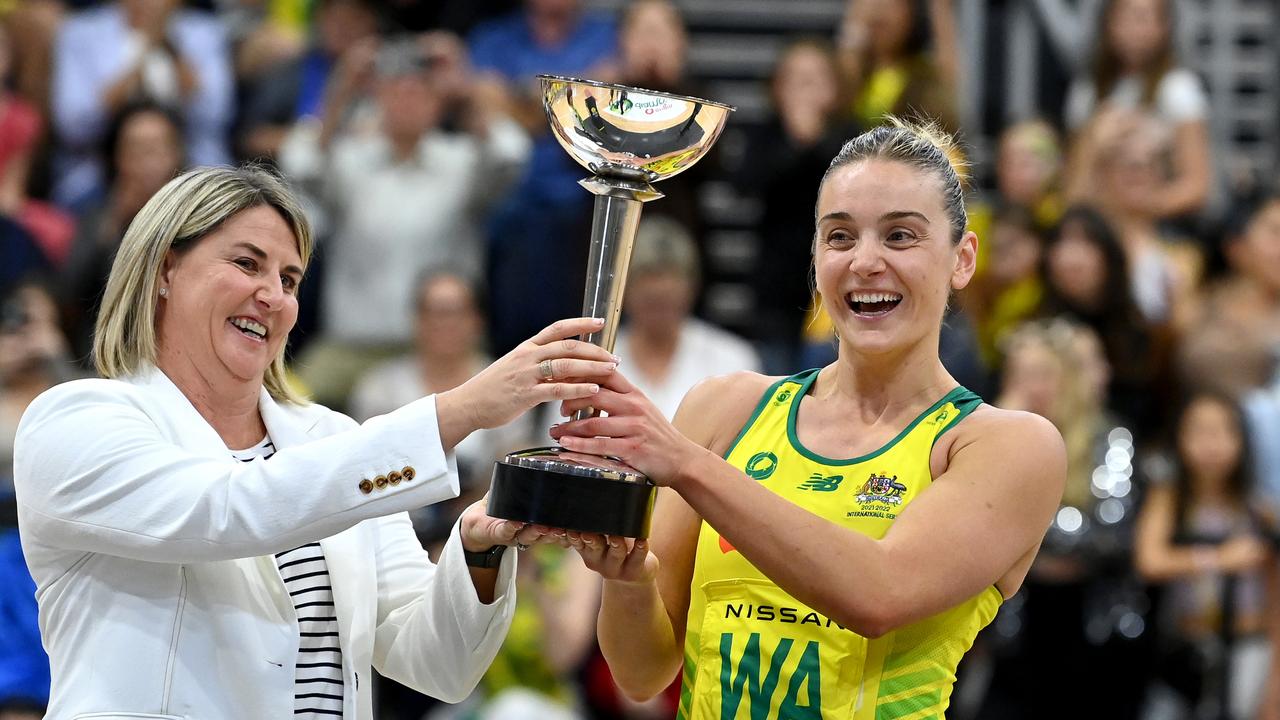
[317, 689]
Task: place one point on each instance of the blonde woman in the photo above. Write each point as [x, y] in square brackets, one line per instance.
[1082, 609]
[205, 543]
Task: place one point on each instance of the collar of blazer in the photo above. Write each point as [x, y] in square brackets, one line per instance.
[287, 424]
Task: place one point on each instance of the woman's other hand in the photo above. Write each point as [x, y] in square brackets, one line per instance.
[551, 365]
[615, 558]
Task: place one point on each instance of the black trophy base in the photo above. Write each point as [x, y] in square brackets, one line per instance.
[558, 488]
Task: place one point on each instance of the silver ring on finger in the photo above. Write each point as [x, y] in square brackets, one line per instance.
[545, 370]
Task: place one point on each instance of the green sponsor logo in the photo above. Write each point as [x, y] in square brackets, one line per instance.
[740, 678]
[821, 483]
[761, 465]
[783, 396]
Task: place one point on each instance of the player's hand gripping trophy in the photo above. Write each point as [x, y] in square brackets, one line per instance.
[628, 138]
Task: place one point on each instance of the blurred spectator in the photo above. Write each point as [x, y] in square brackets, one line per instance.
[263, 33]
[665, 350]
[143, 150]
[653, 44]
[1201, 538]
[449, 331]
[1135, 68]
[130, 50]
[1009, 290]
[1026, 206]
[1162, 272]
[1029, 171]
[538, 238]
[32, 359]
[294, 88]
[788, 157]
[33, 25]
[1086, 279]
[403, 196]
[1080, 613]
[1234, 343]
[652, 54]
[901, 57]
[21, 128]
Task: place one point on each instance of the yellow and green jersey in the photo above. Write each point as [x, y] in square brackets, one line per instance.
[753, 652]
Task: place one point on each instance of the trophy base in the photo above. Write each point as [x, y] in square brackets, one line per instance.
[558, 488]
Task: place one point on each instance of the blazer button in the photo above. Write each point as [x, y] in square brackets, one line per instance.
[380, 482]
[394, 477]
[409, 473]
[366, 487]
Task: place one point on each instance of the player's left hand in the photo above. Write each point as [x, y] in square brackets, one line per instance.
[635, 432]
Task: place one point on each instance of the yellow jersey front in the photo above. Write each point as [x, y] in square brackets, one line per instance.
[753, 652]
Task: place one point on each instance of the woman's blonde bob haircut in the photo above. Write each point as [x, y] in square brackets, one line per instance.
[184, 211]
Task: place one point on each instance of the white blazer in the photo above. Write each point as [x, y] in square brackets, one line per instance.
[151, 548]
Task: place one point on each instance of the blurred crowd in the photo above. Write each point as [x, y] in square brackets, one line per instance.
[1113, 297]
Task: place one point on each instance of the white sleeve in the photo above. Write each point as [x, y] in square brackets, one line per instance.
[433, 633]
[1181, 98]
[1081, 101]
[94, 472]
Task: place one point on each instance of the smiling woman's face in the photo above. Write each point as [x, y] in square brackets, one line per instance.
[883, 257]
[231, 299]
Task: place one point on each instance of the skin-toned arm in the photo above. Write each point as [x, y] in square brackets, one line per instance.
[983, 515]
[1188, 190]
[646, 594]
[1157, 559]
[946, 49]
[350, 77]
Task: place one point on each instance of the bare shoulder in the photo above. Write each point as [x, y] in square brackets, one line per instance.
[714, 411]
[1014, 438]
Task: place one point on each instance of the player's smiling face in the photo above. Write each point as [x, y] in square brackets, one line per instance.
[883, 256]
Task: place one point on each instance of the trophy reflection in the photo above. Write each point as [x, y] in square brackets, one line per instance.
[628, 138]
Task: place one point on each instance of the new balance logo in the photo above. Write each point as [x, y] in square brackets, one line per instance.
[821, 483]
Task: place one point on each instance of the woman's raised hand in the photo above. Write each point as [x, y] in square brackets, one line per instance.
[551, 365]
[635, 431]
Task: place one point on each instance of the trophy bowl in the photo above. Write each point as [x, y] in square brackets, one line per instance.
[615, 129]
[628, 138]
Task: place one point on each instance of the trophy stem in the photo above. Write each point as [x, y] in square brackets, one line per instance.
[613, 234]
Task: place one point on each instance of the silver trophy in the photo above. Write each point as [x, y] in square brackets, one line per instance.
[628, 138]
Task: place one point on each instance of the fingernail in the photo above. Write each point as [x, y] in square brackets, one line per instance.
[597, 321]
[617, 360]
[595, 389]
[556, 425]
[613, 366]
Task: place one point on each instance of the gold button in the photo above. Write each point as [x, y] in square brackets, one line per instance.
[394, 477]
[409, 473]
[366, 487]
[380, 481]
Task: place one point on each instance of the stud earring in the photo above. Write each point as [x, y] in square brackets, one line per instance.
[164, 292]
